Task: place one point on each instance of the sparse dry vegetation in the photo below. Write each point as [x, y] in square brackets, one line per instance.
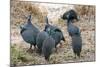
[87, 10]
[20, 10]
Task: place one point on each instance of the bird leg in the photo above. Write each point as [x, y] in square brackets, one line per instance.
[56, 49]
[35, 48]
[61, 45]
[30, 49]
[30, 46]
[75, 56]
[79, 57]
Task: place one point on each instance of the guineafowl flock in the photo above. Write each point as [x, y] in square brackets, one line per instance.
[48, 39]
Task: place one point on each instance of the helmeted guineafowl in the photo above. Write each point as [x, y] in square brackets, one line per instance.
[74, 32]
[48, 46]
[40, 39]
[55, 32]
[29, 32]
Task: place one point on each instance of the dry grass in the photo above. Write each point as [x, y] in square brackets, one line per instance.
[20, 10]
[87, 10]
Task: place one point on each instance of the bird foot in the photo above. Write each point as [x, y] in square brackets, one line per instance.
[75, 57]
[56, 50]
[30, 50]
[61, 46]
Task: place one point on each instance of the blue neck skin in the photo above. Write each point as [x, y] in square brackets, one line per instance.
[69, 22]
[29, 20]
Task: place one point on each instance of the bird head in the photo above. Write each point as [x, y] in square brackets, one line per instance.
[29, 18]
[46, 20]
[70, 15]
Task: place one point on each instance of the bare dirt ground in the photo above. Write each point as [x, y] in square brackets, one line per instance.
[19, 56]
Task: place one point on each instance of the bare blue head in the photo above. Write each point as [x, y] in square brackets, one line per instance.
[70, 15]
[46, 20]
[29, 18]
[47, 23]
